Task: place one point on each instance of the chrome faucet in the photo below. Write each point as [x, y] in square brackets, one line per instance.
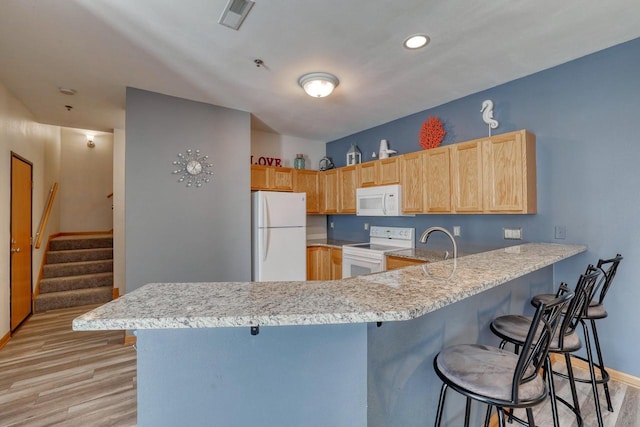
[427, 233]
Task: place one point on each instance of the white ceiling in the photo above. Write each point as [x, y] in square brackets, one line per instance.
[99, 47]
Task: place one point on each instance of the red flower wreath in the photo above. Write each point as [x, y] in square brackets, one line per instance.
[432, 133]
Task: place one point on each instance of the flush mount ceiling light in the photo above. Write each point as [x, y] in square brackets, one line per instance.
[318, 85]
[416, 41]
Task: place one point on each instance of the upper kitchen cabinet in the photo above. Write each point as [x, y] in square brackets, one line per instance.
[466, 176]
[347, 184]
[367, 174]
[411, 179]
[389, 171]
[307, 181]
[329, 191]
[437, 180]
[271, 178]
[509, 165]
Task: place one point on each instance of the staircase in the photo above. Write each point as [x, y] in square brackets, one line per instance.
[78, 271]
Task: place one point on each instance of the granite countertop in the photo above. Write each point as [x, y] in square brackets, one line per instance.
[420, 254]
[401, 294]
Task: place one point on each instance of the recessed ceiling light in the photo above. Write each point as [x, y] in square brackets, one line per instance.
[416, 41]
[67, 91]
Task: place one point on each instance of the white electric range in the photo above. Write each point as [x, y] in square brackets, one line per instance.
[365, 258]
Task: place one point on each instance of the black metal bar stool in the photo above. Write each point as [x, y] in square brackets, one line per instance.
[596, 311]
[513, 329]
[498, 377]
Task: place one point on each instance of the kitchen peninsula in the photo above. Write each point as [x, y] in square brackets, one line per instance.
[311, 353]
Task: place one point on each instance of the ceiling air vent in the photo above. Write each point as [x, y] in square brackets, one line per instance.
[235, 12]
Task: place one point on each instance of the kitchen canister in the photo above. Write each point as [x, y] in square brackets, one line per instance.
[298, 162]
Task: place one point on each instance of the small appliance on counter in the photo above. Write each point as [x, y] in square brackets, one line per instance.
[365, 258]
[279, 236]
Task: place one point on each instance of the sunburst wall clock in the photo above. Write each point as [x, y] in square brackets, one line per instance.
[193, 168]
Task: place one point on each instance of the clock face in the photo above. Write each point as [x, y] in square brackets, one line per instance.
[194, 167]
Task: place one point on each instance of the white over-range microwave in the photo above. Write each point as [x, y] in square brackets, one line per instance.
[385, 200]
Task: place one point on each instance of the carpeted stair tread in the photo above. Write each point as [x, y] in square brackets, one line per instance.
[67, 283]
[81, 242]
[55, 300]
[77, 255]
[77, 268]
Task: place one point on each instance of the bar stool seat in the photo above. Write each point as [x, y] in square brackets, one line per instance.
[488, 371]
[517, 326]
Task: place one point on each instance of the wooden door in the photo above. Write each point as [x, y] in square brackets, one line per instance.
[437, 188]
[21, 173]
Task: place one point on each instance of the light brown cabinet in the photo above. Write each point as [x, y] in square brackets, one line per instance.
[324, 263]
[307, 181]
[367, 174]
[466, 182]
[412, 181]
[389, 171]
[330, 191]
[509, 165]
[394, 262]
[437, 180]
[271, 178]
[347, 184]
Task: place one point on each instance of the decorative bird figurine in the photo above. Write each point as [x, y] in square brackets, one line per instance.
[487, 115]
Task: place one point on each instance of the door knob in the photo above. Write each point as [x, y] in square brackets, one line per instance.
[15, 250]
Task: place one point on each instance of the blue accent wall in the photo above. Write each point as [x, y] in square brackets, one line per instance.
[585, 116]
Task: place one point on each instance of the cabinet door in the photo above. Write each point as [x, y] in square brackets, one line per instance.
[329, 191]
[336, 264]
[318, 263]
[347, 183]
[509, 173]
[306, 181]
[437, 187]
[389, 171]
[281, 179]
[259, 177]
[466, 165]
[411, 179]
[367, 174]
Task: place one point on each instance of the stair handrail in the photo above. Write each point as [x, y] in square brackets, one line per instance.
[45, 214]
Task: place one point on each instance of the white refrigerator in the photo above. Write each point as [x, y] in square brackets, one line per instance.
[279, 236]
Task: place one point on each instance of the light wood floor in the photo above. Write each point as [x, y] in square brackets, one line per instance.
[53, 376]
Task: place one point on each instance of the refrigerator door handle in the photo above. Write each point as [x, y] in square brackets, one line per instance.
[265, 243]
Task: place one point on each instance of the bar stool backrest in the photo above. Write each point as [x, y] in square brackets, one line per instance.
[609, 267]
[544, 325]
[578, 306]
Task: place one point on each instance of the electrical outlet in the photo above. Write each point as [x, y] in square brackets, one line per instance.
[560, 232]
[331, 224]
[366, 226]
[512, 233]
[456, 231]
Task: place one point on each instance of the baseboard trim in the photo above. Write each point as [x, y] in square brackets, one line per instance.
[5, 339]
[618, 376]
[116, 293]
[130, 339]
[82, 233]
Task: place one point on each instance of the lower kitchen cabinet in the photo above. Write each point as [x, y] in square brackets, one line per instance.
[394, 262]
[324, 263]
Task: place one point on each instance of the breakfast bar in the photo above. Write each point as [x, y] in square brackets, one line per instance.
[351, 352]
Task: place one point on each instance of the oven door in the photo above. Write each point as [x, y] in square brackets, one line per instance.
[356, 264]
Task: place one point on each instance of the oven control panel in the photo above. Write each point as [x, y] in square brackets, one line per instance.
[394, 236]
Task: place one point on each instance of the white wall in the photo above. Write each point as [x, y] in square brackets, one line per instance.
[286, 147]
[86, 180]
[119, 143]
[21, 134]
